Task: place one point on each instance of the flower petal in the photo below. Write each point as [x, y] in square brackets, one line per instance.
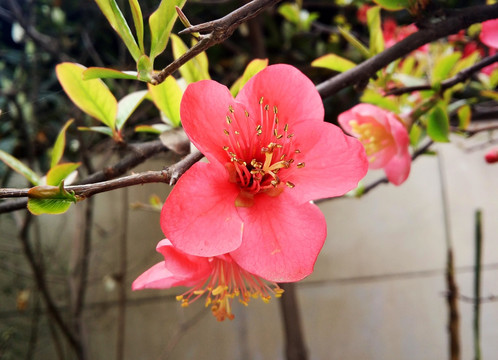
[199, 216]
[334, 163]
[203, 112]
[398, 168]
[489, 33]
[293, 93]
[157, 277]
[183, 265]
[281, 239]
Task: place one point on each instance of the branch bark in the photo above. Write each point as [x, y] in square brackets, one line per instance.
[214, 32]
[437, 30]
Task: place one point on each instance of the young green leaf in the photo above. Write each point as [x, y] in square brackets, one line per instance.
[60, 144]
[104, 73]
[443, 67]
[100, 129]
[374, 27]
[415, 135]
[254, 67]
[394, 5]
[290, 12]
[195, 69]
[118, 22]
[464, 117]
[152, 129]
[59, 173]
[161, 22]
[355, 42]
[333, 62]
[91, 96]
[127, 105]
[46, 199]
[167, 97]
[138, 20]
[438, 125]
[19, 167]
[145, 69]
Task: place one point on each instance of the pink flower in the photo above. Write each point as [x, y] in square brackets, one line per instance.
[385, 139]
[489, 33]
[220, 278]
[393, 33]
[270, 153]
[491, 156]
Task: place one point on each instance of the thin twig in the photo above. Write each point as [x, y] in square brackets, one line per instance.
[458, 78]
[214, 32]
[170, 175]
[477, 283]
[451, 25]
[295, 348]
[42, 287]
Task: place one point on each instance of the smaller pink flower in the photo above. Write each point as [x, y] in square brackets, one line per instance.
[491, 156]
[220, 278]
[393, 33]
[489, 33]
[384, 137]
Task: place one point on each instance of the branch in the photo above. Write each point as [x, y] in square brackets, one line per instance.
[451, 25]
[458, 78]
[215, 32]
[170, 175]
[140, 153]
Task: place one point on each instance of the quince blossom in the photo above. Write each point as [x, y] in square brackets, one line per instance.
[489, 33]
[385, 139]
[219, 278]
[270, 153]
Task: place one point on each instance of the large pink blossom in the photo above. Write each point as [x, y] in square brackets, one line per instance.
[385, 139]
[220, 279]
[270, 153]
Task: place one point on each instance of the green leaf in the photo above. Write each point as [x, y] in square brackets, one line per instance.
[333, 62]
[375, 98]
[60, 172]
[104, 73]
[167, 96]
[138, 21]
[20, 168]
[127, 105]
[438, 124]
[161, 22]
[144, 68]
[153, 129]
[393, 5]
[354, 42]
[91, 96]
[60, 144]
[374, 27]
[118, 22]
[415, 135]
[48, 206]
[100, 129]
[290, 12]
[195, 69]
[464, 117]
[254, 67]
[443, 66]
[46, 199]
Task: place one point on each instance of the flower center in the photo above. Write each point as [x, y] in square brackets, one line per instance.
[259, 156]
[227, 281]
[373, 137]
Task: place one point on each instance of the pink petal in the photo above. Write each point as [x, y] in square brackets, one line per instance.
[334, 163]
[199, 216]
[287, 88]
[183, 265]
[281, 239]
[157, 277]
[489, 33]
[398, 169]
[203, 112]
